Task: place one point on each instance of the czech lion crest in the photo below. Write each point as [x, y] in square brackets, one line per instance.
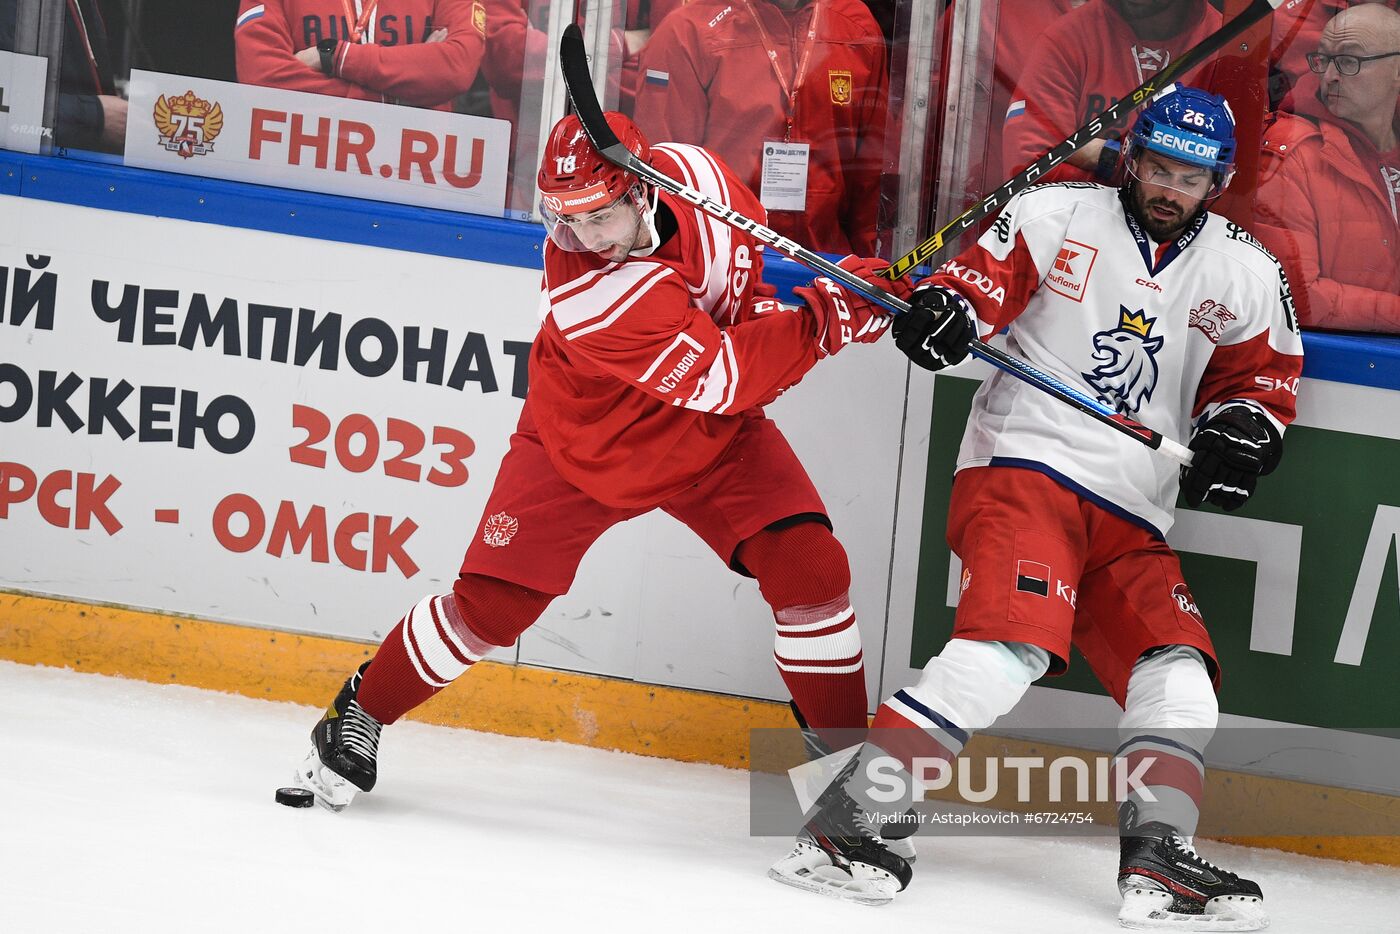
[1126, 373]
[188, 124]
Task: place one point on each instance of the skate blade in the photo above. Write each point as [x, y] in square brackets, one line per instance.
[330, 790]
[1150, 910]
[810, 869]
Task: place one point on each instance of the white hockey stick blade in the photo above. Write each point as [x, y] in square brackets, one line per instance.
[1147, 909]
[332, 792]
[807, 867]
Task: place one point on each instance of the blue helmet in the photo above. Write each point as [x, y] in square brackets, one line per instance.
[1188, 125]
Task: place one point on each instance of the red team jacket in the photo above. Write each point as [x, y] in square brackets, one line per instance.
[1085, 61]
[1327, 205]
[392, 63]
[640, 368]
[706, 79]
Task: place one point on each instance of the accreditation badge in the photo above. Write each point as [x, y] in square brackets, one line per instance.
[784, 179]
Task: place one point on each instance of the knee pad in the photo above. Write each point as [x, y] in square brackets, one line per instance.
[1171, 691]
[496, 611]
[802, 565]
[971, 683]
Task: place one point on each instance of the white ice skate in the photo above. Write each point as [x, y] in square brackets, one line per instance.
[332, 791]
[826, 871]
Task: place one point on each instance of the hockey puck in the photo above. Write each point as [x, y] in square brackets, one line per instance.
[295, 797]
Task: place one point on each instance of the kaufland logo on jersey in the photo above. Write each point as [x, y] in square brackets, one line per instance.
[1069, 273]
[1188, 144]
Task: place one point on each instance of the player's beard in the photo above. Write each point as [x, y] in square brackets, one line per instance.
[1159, 218]
[640, 237]
[620, 249]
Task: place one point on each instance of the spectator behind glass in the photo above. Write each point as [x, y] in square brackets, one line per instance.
[419, 52]
[707, 79]
[90, 113]
[1330, 178]
[1297, 27]
[1083, 63]
[1010, 28]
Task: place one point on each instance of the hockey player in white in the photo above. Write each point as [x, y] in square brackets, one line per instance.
[1182, 321]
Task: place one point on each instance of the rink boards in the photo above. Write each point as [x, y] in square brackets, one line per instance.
[297, 435]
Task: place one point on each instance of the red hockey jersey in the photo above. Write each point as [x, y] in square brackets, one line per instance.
[644, 370]
[392, 62]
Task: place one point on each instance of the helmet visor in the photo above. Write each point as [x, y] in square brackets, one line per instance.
[1199, 179]
[611, 228]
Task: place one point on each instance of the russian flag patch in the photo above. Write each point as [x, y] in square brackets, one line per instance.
[659, 78]
[252, 13]
[1016, 109]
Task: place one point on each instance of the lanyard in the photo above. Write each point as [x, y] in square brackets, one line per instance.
[790, 92]
[362, 22]
[77, 11]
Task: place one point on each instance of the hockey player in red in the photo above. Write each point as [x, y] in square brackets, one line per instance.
[419, 52]
[658, 348]
[1174, 317]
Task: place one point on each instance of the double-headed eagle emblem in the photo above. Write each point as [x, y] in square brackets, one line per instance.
[188, 124]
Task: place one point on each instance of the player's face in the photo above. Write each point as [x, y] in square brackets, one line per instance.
[612, 232]
[1168, 193]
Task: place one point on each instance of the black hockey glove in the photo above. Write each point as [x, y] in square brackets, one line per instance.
[1233, 450]
[936, 329]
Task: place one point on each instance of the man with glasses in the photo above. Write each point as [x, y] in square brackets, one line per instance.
[1330, 177]
[1172, 316]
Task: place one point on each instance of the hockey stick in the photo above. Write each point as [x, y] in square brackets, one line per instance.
[573, 61]
[925, 252]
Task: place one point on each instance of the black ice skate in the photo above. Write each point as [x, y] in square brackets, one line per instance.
[344, 751]
[1165, 884]
[897, 832]
[839, 853]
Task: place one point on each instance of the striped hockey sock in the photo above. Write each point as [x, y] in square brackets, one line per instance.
[1160, 779]
[429, 648]
[915, 734]
[817, 650]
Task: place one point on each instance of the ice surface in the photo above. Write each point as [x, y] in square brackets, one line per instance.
[133, 807]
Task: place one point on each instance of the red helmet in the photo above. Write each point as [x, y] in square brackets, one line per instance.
[574, 177]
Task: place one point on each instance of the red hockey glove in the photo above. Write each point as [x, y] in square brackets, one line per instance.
[843, 317]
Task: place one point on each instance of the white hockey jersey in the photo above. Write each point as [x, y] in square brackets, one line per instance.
[1163, 333]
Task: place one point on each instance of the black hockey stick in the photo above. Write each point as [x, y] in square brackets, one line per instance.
[925, 252]
[573, 60]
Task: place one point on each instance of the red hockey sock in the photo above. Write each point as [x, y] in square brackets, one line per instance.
[803, 574]
[441, 638]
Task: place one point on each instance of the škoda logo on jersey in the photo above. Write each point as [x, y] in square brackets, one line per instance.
[1069, 273]
[188, 124]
